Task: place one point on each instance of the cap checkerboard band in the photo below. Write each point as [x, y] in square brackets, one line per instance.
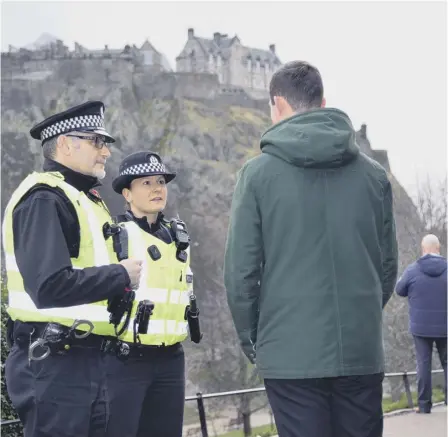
[148, 167]
[72, 124]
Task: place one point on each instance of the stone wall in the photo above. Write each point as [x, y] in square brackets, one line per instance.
[176, 85]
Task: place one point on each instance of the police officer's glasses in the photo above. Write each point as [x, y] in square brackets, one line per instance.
[98, 141]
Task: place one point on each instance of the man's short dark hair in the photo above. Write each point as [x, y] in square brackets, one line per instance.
[49, 147]
[300, 84]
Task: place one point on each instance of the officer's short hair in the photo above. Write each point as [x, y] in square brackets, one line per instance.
[49, 147]
[299, 83]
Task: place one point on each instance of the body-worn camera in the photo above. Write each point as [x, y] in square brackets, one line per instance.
[119, 238]
[181, 237]
[144, 312]
[119, 305]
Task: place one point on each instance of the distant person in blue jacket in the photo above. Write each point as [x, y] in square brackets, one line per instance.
[425, 284]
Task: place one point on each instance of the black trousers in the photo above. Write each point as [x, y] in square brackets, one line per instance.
[423, 348]
[147, 394]
[349, 406]
[60, 396]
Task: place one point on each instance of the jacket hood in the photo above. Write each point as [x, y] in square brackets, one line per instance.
[432, 265]
[322, 138]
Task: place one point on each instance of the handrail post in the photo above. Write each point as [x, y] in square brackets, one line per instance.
[202, 417]
[407, 388]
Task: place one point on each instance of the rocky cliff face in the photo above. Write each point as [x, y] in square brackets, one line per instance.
[205, 140]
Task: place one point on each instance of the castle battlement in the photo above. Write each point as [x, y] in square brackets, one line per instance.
[239, 69]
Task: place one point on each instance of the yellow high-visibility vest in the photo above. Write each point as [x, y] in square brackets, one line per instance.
[94, 251]
[166, 282]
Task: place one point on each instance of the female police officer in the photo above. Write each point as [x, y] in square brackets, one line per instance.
[147, 381]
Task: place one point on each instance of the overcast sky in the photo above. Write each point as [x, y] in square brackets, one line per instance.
[384, 63]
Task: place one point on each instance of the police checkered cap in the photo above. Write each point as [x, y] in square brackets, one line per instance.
[87, 117]
[140, 164]
[153, 166]
[89, 122]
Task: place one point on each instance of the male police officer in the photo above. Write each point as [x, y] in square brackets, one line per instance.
[61, 269]
[147, 387]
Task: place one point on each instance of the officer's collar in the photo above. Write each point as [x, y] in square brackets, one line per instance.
[79, 181]
[143, 222]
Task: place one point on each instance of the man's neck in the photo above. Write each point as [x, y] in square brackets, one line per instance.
[78, 180]
[433, 253]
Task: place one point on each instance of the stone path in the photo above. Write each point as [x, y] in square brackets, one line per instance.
[417, 425]
[410, 424]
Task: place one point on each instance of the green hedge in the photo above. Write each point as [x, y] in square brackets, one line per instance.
[8, 412]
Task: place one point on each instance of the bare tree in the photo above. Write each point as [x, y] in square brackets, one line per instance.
[430, 203]
[220, 366]
[432, 207]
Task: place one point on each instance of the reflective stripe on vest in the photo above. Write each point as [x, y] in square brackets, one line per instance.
[164, 283]
[94, 250]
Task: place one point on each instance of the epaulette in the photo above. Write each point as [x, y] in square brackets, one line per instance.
[121, 218]
[165, 221]
[169, 221]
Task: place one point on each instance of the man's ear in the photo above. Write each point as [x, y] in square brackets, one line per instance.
[283, 107]
[63, 144]
[324, 102]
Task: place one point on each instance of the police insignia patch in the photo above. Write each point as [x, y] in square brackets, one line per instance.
[95, 193]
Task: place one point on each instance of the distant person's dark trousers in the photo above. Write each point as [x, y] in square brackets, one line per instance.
[349, 406]
[423, 349]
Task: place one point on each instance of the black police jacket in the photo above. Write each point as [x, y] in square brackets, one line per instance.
[47, 235]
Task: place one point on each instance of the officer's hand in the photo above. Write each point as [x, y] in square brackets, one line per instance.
[134, 269]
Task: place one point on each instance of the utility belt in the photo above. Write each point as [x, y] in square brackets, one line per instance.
[52, 338]
[44, 339]
[124, 350]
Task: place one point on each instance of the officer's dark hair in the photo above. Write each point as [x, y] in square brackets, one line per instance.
[49, 147]
[300, 84]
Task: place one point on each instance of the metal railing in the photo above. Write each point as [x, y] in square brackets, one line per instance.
[199, 398]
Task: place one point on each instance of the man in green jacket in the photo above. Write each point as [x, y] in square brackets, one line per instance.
[310, 263]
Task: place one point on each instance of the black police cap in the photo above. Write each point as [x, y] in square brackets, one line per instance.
[138, 165]
[87, 117]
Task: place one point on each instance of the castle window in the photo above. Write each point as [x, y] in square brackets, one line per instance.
[249, 64]
[219, 66]
[147, 57]
[211, 63]
[192, 61]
